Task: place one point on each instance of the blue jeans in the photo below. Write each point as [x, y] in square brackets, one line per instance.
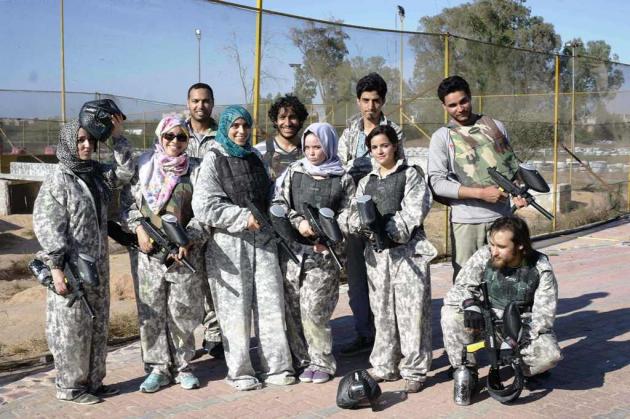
[358, 287]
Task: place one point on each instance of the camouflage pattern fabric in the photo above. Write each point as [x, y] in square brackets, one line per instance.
[479, 147]
[543, 351]
[170, 303]
[400, 286]
[65, 223]
[311, 287]
[246, 282]
[200, 143]
[171, 307]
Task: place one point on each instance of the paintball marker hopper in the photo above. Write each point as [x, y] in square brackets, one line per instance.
[530, 177]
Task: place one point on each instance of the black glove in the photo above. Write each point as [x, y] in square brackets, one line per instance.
[473, 318]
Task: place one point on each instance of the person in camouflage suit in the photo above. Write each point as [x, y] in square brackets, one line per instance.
[70, 217]
[312, 286]
[459, 157]
[170, 298]
[371, 91]
[246, 280]
[513, 271]
[287, 115]
[202, 129]
[398, 276]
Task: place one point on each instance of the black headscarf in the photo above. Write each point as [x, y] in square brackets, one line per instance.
[67, 152]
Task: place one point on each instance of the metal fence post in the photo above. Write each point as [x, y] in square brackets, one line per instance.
[447, 208]
[554, 198]
[257, 67]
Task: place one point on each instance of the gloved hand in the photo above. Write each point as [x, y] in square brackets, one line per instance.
[473, 319]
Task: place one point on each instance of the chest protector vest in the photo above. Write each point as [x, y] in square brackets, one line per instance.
[512, 284]
[479, 147]
[243, 179]
[387, 193]
[320, 193]
[179, 204]
[278, 162]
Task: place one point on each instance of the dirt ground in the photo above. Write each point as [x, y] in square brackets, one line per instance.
[22, 299]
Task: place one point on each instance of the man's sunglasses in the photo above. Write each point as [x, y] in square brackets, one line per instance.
[169, 136]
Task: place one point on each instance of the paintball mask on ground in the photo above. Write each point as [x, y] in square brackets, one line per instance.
[358, 389]
[95, 117]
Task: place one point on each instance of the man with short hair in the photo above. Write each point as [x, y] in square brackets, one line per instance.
[512, 271]
[371, 92]
[202, 128]
[201, 125]
[287, 114]
[459, 157]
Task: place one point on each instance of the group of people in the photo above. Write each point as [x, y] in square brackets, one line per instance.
[213, 181]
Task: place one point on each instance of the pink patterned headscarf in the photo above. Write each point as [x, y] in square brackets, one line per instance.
[159, 176]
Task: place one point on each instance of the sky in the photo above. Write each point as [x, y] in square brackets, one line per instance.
[147, 48]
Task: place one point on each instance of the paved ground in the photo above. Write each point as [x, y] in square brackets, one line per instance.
[593, 380]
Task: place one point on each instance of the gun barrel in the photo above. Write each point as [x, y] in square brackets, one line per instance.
[88, 308]
[541, 210]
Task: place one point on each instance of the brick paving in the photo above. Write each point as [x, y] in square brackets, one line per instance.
[593, 380]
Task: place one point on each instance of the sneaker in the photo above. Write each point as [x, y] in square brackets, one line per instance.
[360, 345]
[379, 378]
[187, 380]
[413, 386]
[85, 398]
[106, 391]
[153, 382]
[307, 376]
[320, 377]
[280, 380]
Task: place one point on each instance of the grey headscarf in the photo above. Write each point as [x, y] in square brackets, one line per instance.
[67, 152]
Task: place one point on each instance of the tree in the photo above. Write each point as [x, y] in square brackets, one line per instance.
[501, 72]
[323, 49]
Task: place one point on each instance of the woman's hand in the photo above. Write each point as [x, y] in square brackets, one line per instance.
[252, 224]
[144, 241]
[59, 281]
[319, 248]
[117, 121]
[305, 229]
[183, 252]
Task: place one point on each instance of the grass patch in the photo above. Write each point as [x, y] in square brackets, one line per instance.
[123, 325]
[31, 348]
[17, 269]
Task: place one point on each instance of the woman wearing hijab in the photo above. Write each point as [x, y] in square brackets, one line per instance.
[170, 305]
[312, 286]
[398, 276]
[246, 280]
[70, 218]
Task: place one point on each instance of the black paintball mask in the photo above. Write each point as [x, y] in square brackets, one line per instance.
[96, 117]
[358, 389]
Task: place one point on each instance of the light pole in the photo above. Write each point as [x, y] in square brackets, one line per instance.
[401, 15]
[573, 45]
[198, 35]
[295, 67]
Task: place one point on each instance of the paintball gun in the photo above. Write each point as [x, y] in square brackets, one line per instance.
[374, 222]
[326, 229]
[169, 241]
[502, 343]
[280, 221]
[531, 180]
[75, 275]
[267, 227]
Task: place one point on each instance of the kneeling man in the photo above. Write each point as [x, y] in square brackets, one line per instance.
[512, 271]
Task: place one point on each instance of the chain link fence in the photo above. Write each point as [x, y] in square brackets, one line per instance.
[567, 115]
